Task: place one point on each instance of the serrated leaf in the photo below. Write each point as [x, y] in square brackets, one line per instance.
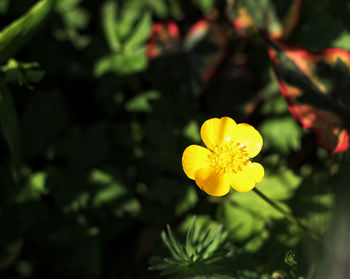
[15, 35]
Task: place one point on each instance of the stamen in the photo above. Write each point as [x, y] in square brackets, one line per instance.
[229, 157]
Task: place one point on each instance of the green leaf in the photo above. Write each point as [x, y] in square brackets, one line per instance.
[109, 15]
[204, 5]
[246, 215]
[171, 244]
[129, 15]
[4, 4]
[187, 202]
[140, 34]
[191, 132]
[22, 73]
[121, 63]
[282, 134]
[290, 259]
[190, 238]
[10, 126]
[174, 243]
[142, 102]
[159, 8]
[109, 188]
[15, 35]
[34, 189]
[67, 5]
[196, 257]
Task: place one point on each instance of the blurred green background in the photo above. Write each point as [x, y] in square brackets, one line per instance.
[93, 131]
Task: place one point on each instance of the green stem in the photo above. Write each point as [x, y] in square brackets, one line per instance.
[287, 214]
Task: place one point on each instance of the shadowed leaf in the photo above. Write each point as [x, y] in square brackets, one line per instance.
[10, 126]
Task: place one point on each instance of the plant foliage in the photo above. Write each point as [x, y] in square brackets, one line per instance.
[99, 99]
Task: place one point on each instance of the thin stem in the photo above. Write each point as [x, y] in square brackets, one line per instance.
[287, 214]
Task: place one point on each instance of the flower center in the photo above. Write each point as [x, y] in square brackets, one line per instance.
[228, 157]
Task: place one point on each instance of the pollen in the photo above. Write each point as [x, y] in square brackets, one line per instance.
[229, 157]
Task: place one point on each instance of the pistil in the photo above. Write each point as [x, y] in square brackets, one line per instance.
[229, 157]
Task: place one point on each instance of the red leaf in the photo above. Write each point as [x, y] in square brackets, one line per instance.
[205, 35]
[165, 38]
[308, 81]
[264, 17]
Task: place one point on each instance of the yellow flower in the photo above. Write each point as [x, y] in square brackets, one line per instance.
[225, 161]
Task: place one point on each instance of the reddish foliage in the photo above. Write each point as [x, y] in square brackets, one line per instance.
[277, 28]
[326, 123]
[164, 38]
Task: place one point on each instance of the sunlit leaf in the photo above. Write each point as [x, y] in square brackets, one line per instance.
[140, 33]
[282, 134]
[34, 189]
[130, 13]
[14, 36]
[191, 131]
[126, 29]
[142, 102]
[109, 15]
[246, 215]
[315, 86]
[22, 73]
[109, 188]
[270, 15]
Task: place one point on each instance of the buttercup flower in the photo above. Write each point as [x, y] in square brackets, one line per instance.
[225, 162]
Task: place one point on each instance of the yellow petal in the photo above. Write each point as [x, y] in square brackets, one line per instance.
[250, 137]
[214, 184]
[245, 181]
[194, 158]
[215, 130]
